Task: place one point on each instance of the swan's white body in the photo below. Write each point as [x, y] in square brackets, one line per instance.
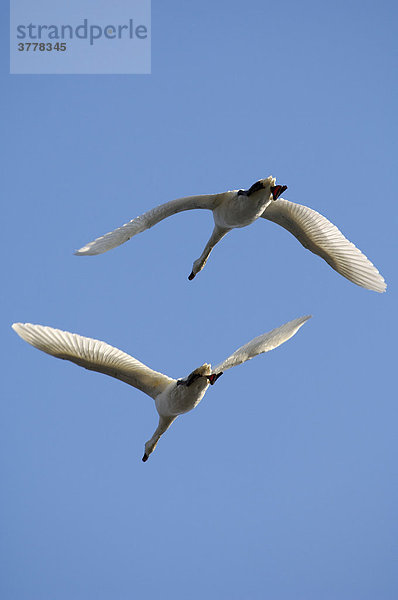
[172, 397]
[240, 208]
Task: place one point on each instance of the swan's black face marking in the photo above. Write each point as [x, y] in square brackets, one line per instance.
[213, 377]
[277, 190]
[180, 382]
[145, 457]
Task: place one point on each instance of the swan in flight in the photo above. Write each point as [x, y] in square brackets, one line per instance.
[239, 208]
[172, 397]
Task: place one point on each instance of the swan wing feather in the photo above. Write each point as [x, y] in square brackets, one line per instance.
[323, 238]
[262, 343]
[93, 355]
[146, 221]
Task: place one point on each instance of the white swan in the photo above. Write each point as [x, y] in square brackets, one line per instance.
[239, 208]
[172, 397]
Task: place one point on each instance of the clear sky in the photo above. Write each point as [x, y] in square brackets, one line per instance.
[282, 484]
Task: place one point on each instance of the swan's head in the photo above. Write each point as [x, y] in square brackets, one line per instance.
[149, 448]
[267, 187]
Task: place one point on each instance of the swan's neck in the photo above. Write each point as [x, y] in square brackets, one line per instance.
[164, 424]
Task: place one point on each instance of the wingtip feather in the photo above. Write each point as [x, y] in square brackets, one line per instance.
[16, 327]
[19, 328]
[380, 286]
[86, 251]
[24, 330]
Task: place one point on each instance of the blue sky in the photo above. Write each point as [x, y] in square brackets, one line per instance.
[283, 482]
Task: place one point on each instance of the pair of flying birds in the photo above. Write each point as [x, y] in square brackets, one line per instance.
[237, 208]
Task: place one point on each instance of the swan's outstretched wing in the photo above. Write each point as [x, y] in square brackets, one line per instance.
[320, 236]
[149, 219]
[262, 343]
[94, 355]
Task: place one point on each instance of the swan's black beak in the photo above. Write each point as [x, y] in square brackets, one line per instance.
[213, 377]
[145, 457]
[277, 190]
[191, 276]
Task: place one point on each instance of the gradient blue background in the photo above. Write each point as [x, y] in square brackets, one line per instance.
[282, 484]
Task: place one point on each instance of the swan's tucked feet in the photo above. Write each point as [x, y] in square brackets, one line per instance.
[277, 190]
[213, 377]
[202, 371]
